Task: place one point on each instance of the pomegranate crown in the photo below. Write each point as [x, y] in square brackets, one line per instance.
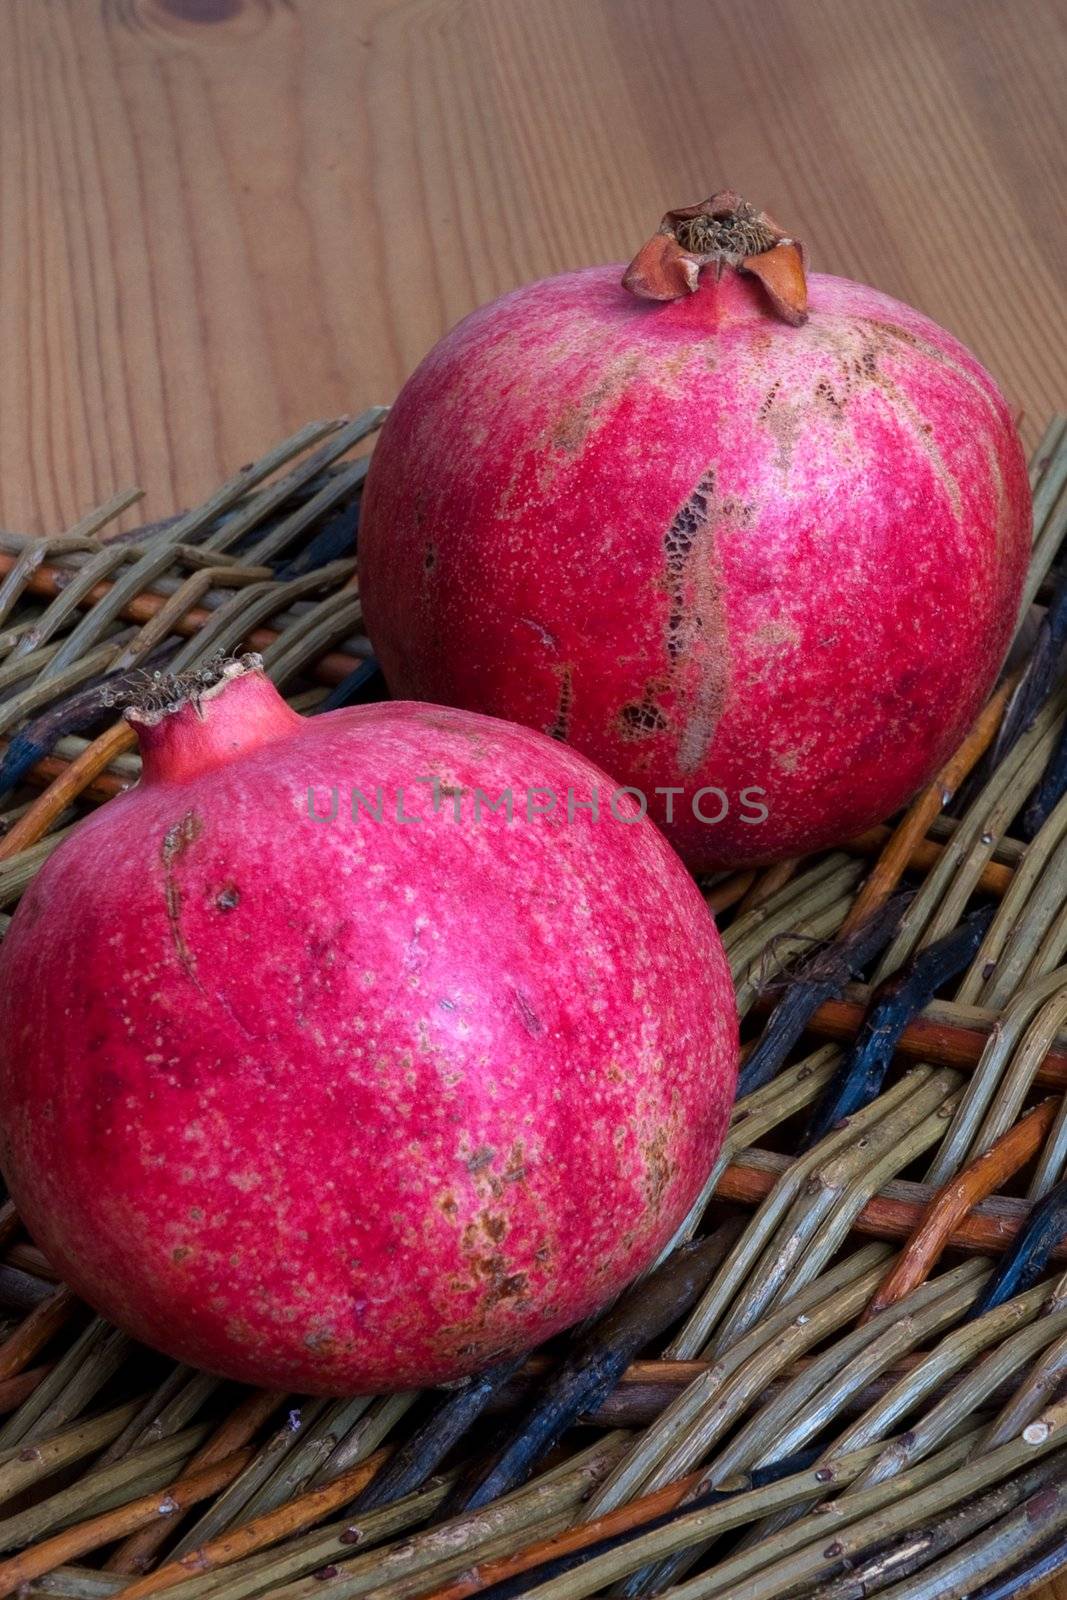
[728, 231]
[147, 697]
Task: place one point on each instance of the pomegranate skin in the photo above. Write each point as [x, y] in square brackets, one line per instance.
[705, 547]
[340, 1107]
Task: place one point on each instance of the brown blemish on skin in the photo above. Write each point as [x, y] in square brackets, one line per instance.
[660, 1170]
[881, 339]
[679, 544]
[830, 402]
[229, 898]
[695, 626]
[581, 417]
[915, 341]
[571, 428]
[503, 1285]
[641, 719]
[176, 841]
[178, 838]
[447, 722]
[320, 1339]
[515, 1171]
[173, 896]
[768, 401]
[510, 1288]
[782, 420]
[858, 346]
[488, 1272]
[560, 725]
[774, 636]
[737, 512]
[668, 371]
[563, 441]
[500, 1286]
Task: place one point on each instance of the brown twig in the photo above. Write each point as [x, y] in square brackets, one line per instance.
[35, 822]
[13, 1391]
[935, 1036]
[136, 1553]
[996, 877]
[885, 1216]
[633, 1515]
[54, 1552]
[35, 1331]
[293, 1517]
[955, 1199]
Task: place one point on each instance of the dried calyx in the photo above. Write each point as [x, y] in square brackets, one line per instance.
[160, 694]
[728, 232]
[741, 232]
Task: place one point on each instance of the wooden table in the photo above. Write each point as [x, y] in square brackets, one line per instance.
[220, 218]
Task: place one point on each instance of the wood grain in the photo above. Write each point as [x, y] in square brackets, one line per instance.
[221, 217]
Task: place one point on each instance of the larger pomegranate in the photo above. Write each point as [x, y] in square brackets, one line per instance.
[320, 1072]
[756, 549]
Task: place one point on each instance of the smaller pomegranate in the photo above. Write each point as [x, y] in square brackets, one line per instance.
[349, 1053]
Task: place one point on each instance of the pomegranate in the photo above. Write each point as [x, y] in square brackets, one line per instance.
[321, 1073]
[756, 548]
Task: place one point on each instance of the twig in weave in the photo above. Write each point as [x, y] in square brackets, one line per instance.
[1043, 1230]
[820, 977]
[893, 1005]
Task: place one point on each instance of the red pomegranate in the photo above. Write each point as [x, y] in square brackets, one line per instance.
[321, 1073]
[756, 549]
